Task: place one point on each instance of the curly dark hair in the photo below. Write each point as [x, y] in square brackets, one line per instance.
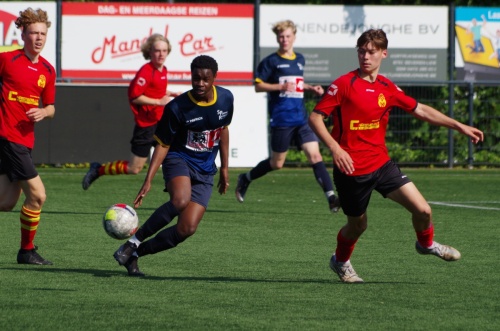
[205, 62]
[30, 16]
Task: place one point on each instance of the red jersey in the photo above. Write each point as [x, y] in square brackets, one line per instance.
[23, 85]
[152, 83]
[360, 112]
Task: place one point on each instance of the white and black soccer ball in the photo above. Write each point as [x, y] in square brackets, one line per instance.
[120, 221]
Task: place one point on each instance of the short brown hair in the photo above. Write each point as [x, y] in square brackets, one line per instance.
[30, 16]
[377, 37]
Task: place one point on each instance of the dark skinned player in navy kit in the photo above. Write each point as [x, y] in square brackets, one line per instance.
[191, 132]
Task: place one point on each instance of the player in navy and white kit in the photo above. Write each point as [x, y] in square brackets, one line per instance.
[281, 74]
[191, 132]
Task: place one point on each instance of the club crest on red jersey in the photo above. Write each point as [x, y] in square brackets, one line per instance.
[381, 100]
[42, 80]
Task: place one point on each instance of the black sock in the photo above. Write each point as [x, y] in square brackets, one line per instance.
[322, 176]
[261, 169]
[159, 219]
[166, 239]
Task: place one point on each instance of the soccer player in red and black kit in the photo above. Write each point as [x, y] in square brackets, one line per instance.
[360, 103]
[27, 81]
[148, 95]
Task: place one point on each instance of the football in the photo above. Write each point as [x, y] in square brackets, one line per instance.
[120, 221]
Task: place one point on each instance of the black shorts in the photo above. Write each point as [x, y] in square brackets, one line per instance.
[142, 140]
[355, 191]
[201, 185]
[16, 161]
[283, 137]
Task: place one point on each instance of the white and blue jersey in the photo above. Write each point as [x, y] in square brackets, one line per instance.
[285, 108]
[192, 128]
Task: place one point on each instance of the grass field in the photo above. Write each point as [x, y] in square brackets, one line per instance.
[260, 265]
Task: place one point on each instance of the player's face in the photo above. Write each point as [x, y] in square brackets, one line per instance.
[34, 37]
[202, 81]
[370, 58]
[159, 53]
[286, 38]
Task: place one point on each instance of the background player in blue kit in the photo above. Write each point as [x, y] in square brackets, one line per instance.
[192, 130]
[281, 74]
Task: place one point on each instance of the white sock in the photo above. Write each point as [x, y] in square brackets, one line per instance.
[135, 240]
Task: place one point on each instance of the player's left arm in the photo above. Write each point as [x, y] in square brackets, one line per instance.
[223, 183]
[433, 116]
[37, 114]
[317, 89]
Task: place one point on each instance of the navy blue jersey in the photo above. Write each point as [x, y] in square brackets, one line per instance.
[192, 129]
[285, 108]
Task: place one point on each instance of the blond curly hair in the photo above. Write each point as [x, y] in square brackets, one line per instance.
[30, 16]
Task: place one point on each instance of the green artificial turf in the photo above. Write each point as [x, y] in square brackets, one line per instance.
[259, 265]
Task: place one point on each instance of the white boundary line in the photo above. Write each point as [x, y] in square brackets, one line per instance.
[463, 206]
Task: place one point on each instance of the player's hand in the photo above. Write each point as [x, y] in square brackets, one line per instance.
[36, 114]
[164, 100]
[288, 87]
[318, 89]
[343, 161]
[223, 183]
[476, 135]
[142, 194]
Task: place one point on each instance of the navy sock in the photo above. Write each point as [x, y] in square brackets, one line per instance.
[159, 219]
[322, 176]
[166, 239]
[261, 169]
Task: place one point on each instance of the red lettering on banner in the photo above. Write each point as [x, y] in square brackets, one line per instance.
[113, 48]
[192, 46]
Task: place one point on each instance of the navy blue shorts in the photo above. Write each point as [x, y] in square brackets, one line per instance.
[283, 137]
[201, 185]
[355, 191]
[16, 161]
[143, 140]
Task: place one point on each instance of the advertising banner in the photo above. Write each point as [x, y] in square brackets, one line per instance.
[327, 35]
[102, 40]
[477, 43]
[10, 35]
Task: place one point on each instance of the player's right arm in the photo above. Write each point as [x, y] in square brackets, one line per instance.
[147, 101]
[341, 158]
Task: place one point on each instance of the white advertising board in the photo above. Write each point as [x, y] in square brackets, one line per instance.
[102, 40]
[337, 26]
[10, 35]
[327, 35]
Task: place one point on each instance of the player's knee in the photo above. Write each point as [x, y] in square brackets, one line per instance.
[315, 158]
[186, 230]
[180, 202]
